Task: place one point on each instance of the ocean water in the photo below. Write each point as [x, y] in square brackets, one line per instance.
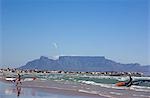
[96, 80]
[102, 81]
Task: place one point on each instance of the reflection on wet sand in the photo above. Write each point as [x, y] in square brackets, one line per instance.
[18, 90]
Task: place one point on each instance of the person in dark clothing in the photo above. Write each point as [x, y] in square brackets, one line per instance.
[129, 83]
[18, 80]
[18, 91]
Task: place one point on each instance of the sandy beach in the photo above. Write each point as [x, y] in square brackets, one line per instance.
[77, 90]
[48, 88]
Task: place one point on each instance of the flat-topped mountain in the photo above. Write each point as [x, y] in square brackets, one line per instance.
[83, 63]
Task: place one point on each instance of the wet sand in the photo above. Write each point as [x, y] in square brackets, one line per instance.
[43, 87]
[90, 90]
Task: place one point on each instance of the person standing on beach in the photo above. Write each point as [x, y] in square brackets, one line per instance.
[18, 80]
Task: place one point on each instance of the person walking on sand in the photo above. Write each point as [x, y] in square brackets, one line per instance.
[18, 80]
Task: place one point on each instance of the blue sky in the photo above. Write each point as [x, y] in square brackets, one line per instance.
[116, 29]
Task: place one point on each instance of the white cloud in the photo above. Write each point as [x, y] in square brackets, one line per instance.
[55, 45]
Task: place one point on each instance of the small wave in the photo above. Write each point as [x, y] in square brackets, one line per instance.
[102, 85]
[140, 88]
[90, 92]
[141, 96]
[143, 87]
[136, 88]
[116, 93]
[119, 78]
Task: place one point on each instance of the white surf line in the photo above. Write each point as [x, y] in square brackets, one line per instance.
[108, 96]
[116, 93]
[90, 92]
[141, 96]
[140, 89]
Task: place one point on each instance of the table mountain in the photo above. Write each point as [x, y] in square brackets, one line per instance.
[84, 63]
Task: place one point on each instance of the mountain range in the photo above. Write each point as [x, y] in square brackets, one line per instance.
[84, 63]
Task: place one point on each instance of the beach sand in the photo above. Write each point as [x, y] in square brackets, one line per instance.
[78, 90]
[34, 89]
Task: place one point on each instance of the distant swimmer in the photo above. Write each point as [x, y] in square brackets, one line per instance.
[127, 84]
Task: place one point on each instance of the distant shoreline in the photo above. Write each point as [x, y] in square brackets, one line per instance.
[106, 73]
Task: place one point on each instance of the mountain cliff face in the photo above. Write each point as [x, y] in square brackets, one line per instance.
[83, 63]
